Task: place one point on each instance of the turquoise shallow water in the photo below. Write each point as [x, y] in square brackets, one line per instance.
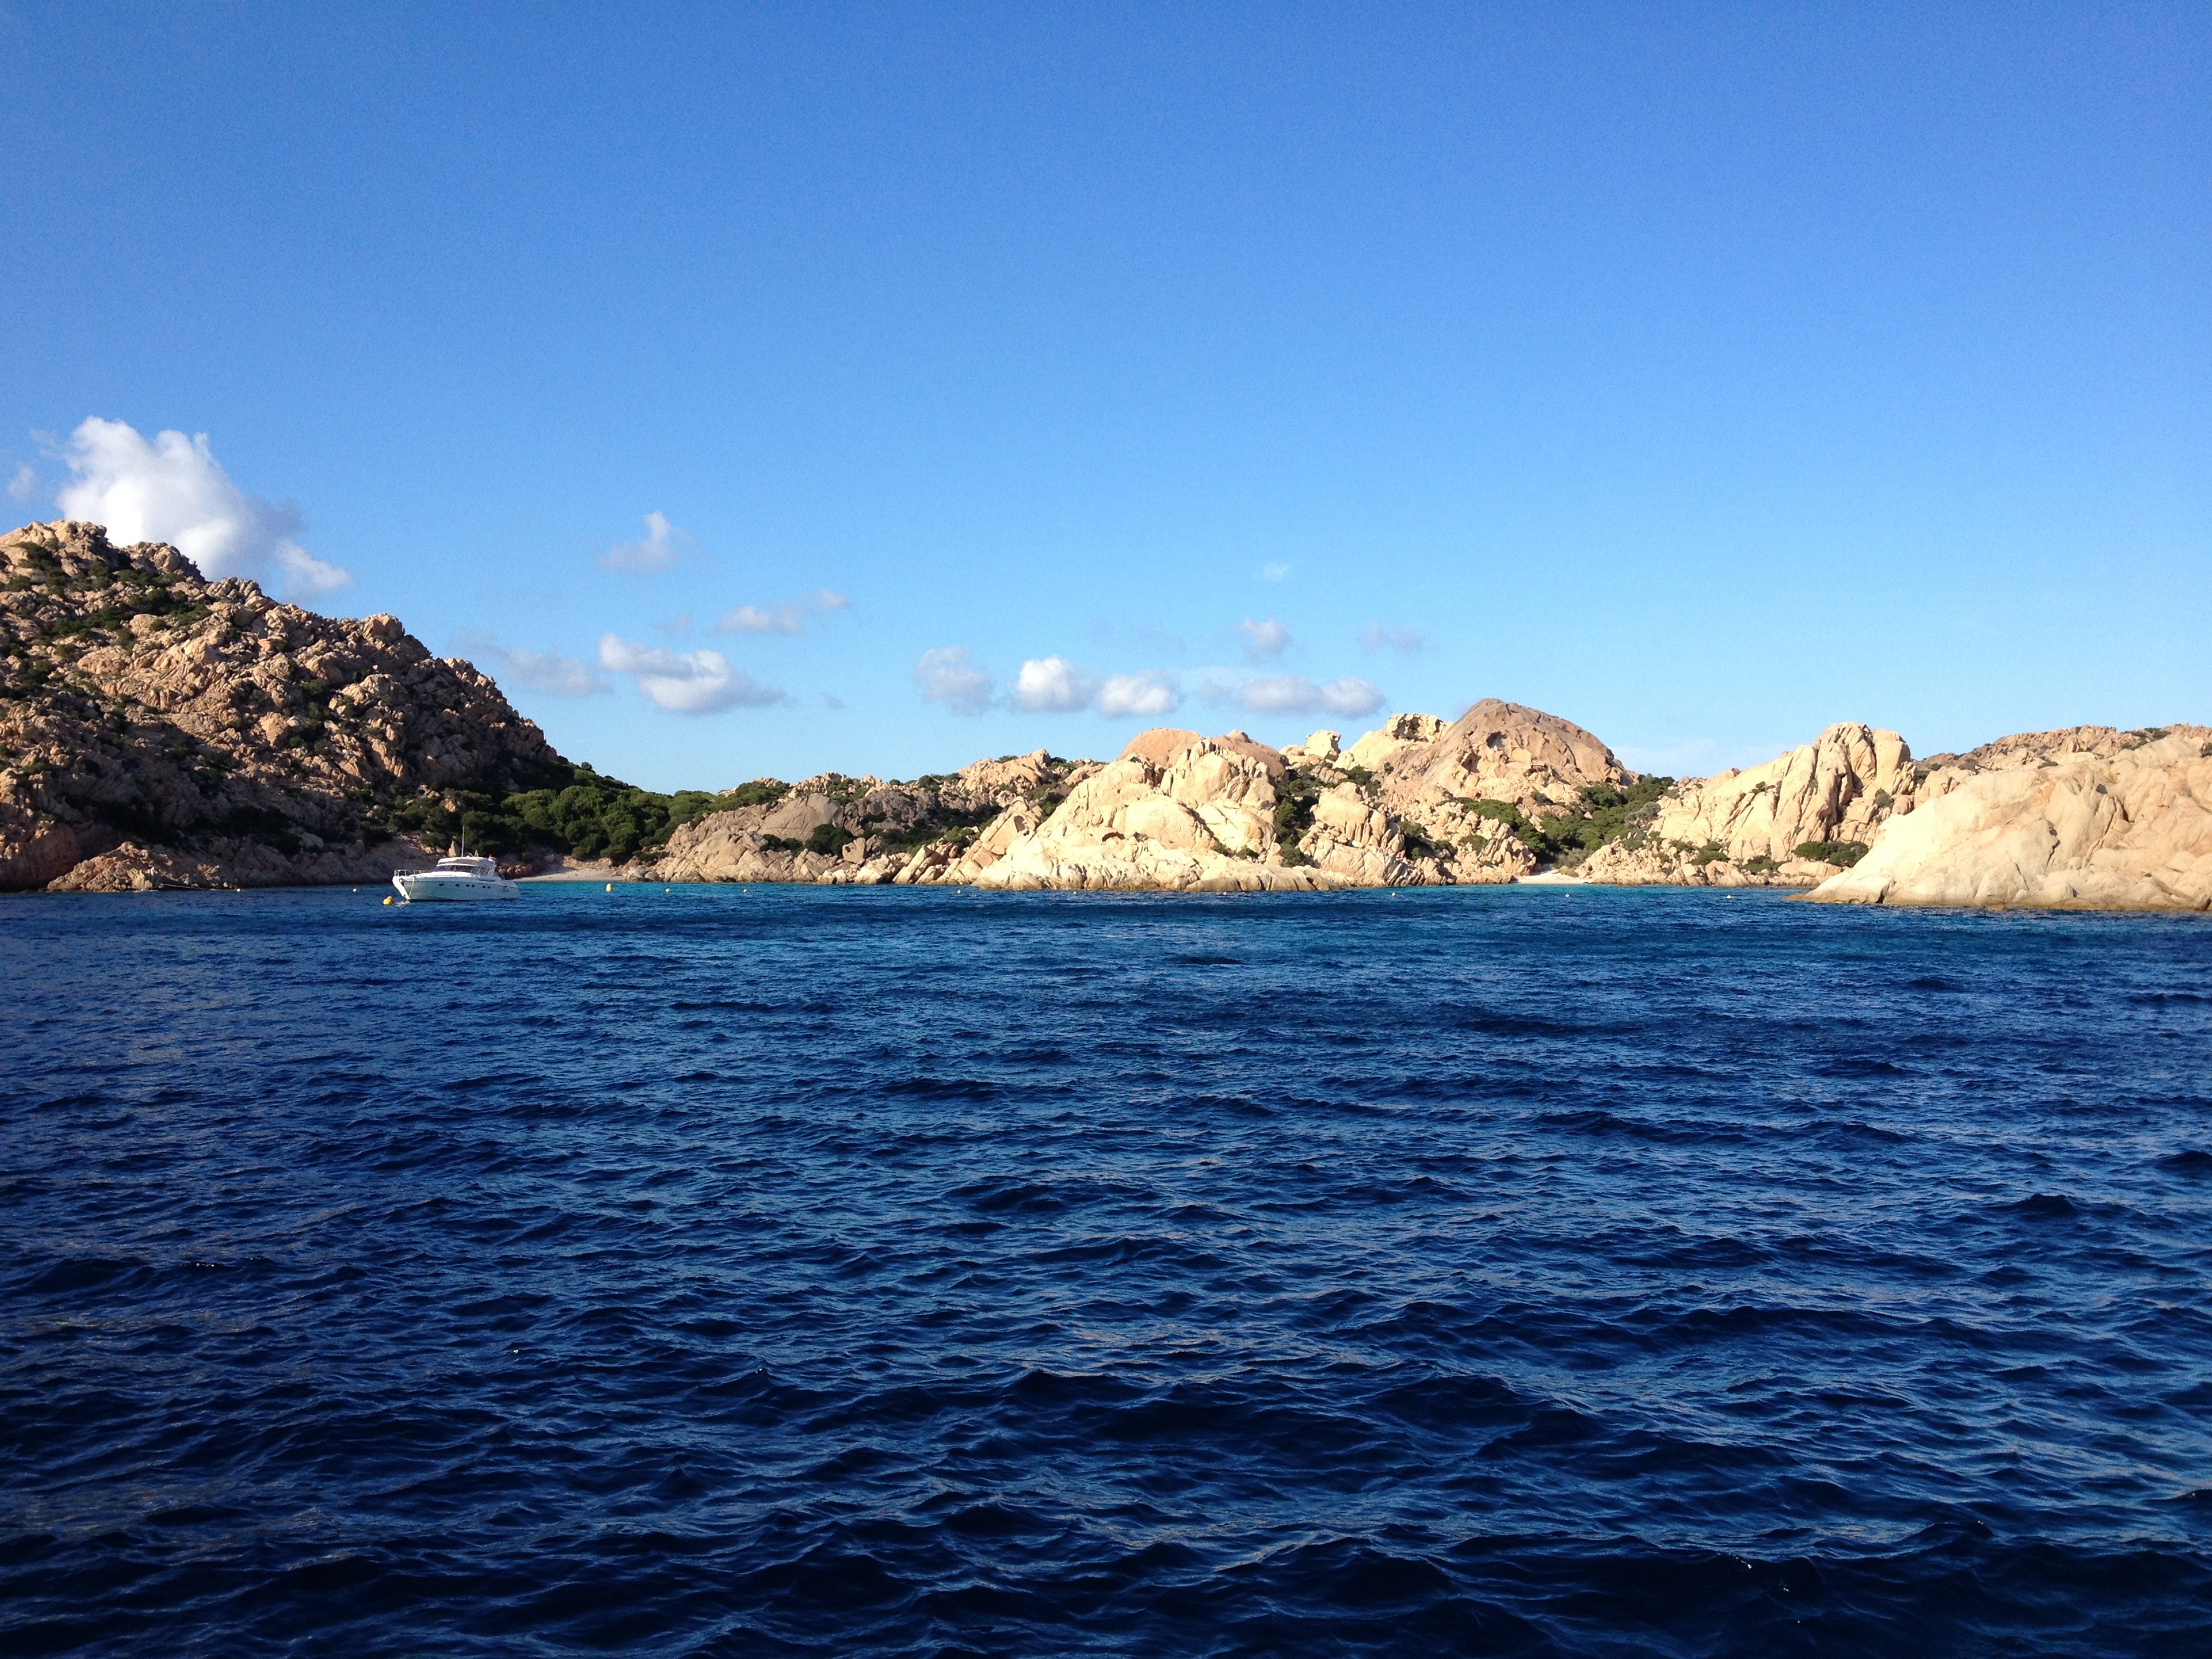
[791, 1271]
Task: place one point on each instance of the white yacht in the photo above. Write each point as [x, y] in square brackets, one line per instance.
[456, 877]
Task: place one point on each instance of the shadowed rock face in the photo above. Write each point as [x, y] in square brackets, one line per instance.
[160, 730]
[2086, 817]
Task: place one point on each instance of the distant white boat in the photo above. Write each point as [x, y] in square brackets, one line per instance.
[456, 877]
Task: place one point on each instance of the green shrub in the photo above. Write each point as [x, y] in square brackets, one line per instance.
[1602, 812]
[1294, 813]
[760, 791]
[1845, 853]
[829, 840]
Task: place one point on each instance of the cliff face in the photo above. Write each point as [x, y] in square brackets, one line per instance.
[2086, 818]
[1742, 829]
[159, 730]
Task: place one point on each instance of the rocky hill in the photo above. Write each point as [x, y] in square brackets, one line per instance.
[841, 831]
[2086, 817]
[1793, 822]
[159, 730]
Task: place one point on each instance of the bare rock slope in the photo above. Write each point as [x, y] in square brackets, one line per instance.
[2086, 818]
[1792, 821]
[160, 730]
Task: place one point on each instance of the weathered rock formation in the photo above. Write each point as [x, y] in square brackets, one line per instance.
[1174, 810]
[841, 831]
[1743, 829]
[2086, 817]
[159, 730]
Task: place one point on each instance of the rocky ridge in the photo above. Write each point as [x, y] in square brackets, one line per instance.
[160, 730]
[841, 831]
[2086, 817]
[1792, 821]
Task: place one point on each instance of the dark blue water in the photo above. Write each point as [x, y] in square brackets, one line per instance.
[786, 1270]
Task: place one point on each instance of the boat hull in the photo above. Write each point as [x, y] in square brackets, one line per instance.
[438, 888]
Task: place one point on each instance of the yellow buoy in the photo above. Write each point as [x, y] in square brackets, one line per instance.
[610, 887]
[387, 898]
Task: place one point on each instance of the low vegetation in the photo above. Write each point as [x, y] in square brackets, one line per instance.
[589, 816]
[1602, 812]
[1845, 853]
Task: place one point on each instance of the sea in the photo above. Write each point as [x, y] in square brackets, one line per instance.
[765, 1271]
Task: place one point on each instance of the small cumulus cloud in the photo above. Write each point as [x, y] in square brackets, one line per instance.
[685, 682]
[1376, 637]
[25, 481]
[1294, 694]
[781, 618]
[547, 671]
[1147, 694]
[948, 675]
[1273, 573]
[1052, 685]
[1263, 640]
[661, 546]
[172, 489]
[757, 619]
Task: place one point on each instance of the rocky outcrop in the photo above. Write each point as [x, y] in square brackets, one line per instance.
[2084, 818]
[1174, 810]
[1744, 829]
[1415, 802]
[160, 730]
[839, 830]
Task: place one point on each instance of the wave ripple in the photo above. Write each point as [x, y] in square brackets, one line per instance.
[783, 1272]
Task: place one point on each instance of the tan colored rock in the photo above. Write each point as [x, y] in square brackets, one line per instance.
[2087, 818]
[1157, 746]
[1742, 828]
[157, 725]
[1176, 811]
[1393, 736]
[929, 831]
[1322, 746]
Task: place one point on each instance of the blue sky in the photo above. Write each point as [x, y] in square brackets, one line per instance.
[1701, 375]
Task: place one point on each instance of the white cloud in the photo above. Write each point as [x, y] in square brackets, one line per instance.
[173, 490]
[546, 671]
[1053, 686]
[781, 618]
[25, 481]
[1149, 693]
[1045, 685]
[1376, 637]
[1294, 694]
[685, 682]
[757, 619]
[948, 675]
[662, 546]
[1275, 573]
[1263, 640]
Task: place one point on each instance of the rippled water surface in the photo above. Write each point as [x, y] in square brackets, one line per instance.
[788, 1271]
